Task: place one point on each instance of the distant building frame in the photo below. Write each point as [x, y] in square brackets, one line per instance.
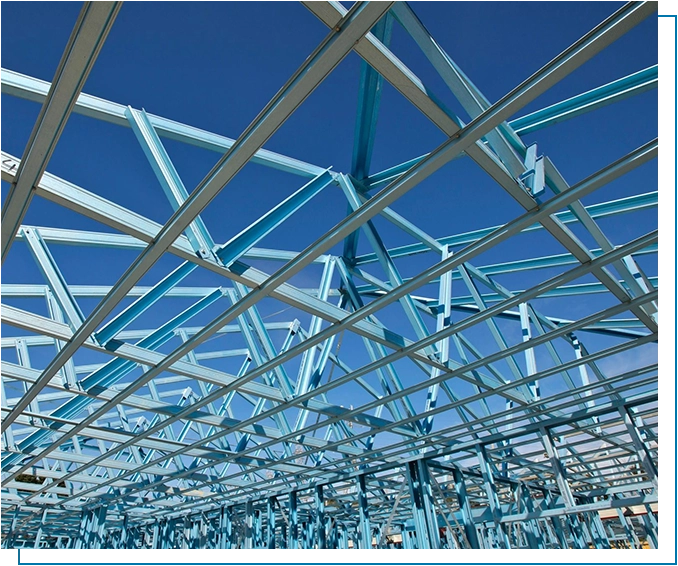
[144, 450]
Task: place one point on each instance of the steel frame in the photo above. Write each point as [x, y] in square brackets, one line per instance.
[465, 434]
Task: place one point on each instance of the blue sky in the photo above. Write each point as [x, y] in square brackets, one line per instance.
[215, 65]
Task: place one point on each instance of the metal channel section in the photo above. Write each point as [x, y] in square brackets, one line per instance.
[475, 390]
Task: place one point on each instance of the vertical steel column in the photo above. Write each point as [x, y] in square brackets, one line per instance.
[532, 531]
[256, 535]
[185, 539]
[283, 536]
[425, 523]
[558, 469]
[555, 521]
[155, 543]
[164, 530]
[307, 533]
[641, 448]
[575, 527]
[551, 536]
[196, 529]
[530, 360]
[334, 535]
[343, 536]
[404, 539]
[270, 523]
[596, 527]
[465, 508]
[312, 531]
[377, 535]
[294, 527]
[365, 534]
[124, 532]
[38, 536]
[651, 527]
[171, 533]
[442, 320]
[582, 522]
[221, 528]
[99, 526]
[228, 528]
[320, 517]
[249, 512]
[493, 499]
[627, 525]
[598, 539]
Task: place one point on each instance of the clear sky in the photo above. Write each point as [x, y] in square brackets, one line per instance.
[215, 65]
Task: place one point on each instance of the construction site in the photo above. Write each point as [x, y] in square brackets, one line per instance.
[376, 317]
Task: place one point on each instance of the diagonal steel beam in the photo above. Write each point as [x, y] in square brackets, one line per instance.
[87, 38]
[392, 69]
[328, 55]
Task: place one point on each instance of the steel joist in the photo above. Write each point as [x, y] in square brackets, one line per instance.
[422, 387]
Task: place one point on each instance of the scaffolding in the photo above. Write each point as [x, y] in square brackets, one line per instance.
[461, 411]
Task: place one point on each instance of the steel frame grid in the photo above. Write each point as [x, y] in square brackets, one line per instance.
[455, 441]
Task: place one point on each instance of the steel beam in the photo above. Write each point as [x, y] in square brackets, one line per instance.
[336, 46]
[88, 36]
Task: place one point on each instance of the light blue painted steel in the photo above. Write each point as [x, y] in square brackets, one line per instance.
[493, 502]
[423, 512]
[249, 527]
[88, 36]
[119, 213]
[36, 90]
[143, 303]
[369, 98]
[293, 541]
[644, 455]
[468, 95]
[114, 371]
[232, 250]
[309, 371]
[169, 179]
[620, 89]
[70, 377]
[321, 523]
[465, 509]
[387, 263]
[337, 45]
[602, 210]
[558, 184]
[442, 320]
[635, 83]
[530, 359]
[364, 529]
[183, 454]
[533, 177]
[270, 522]
[533, 532]
[54, 278]
[618, 252]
